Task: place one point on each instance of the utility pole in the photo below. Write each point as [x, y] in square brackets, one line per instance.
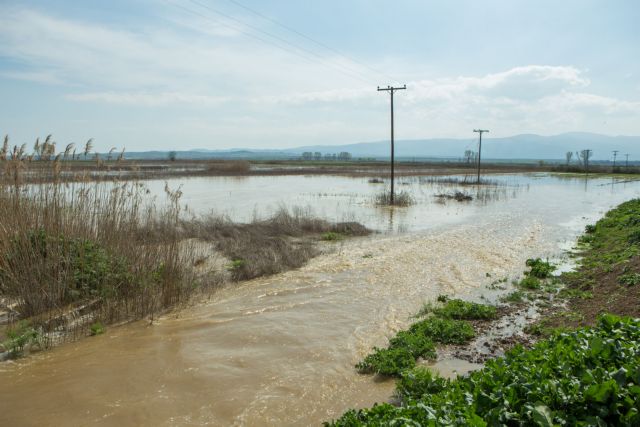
[626, 163]
[615, 154]
[586, 153]
[391, 90]
[480, 131]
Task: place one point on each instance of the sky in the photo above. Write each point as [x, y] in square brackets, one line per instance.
[219, 74]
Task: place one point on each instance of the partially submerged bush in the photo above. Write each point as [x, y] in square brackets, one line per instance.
[444, 331]
[417, 382]
[19, 337]
[402, 198]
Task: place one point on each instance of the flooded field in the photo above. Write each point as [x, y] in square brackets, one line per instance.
[280, 350]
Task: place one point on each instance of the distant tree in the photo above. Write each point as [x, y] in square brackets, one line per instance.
[317, 156]
[344, 156]
[569, 155]
[173, 156]
[327, 156]
[307, 155]
[469, 155]
[585, 155]
[333, 156]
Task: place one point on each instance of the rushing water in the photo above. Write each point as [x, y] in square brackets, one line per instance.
[280, 350]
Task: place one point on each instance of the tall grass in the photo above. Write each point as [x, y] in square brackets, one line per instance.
[75, 253]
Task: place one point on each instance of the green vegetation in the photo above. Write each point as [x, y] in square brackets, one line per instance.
[19, 337]
[331, 236]
[515, 297]
[459, 309]
[530, 282]
[443, 326]
[97, 328]
[582, 378]
[629, 279]
[539, 269]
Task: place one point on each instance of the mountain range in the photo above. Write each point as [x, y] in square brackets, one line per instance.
[524, 146]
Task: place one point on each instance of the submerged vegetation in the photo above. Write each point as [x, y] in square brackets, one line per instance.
[401, 198]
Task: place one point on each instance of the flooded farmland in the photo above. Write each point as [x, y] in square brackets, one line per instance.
[280, 350]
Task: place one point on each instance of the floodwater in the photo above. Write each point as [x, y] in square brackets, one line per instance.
[280, 350]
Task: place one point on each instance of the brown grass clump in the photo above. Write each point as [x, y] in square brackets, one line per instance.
[269, 246]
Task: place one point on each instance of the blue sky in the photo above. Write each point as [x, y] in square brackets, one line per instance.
[182, 74]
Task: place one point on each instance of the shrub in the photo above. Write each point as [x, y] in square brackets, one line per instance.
[402, 198]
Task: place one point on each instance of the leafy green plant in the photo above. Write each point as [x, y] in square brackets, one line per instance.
[531, 283]
[584, 378]
[629, 279]
[19, 337]
[97, 328]
[539, 268]
[459, 309]
[387, 361]
[236, 264]
[444, 331]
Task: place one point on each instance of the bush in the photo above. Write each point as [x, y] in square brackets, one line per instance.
[97, 329]
[331, 236]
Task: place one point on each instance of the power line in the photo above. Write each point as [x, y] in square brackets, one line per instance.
[319, 43]
[318, 58]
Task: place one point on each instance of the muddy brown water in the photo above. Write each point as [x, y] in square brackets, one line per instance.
[280, 350]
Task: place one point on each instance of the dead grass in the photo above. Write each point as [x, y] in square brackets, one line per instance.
[285, 241]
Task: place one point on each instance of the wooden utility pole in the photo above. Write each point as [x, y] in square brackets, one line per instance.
[480, 131]
[626, 162]
[391, 90]
[615, 154]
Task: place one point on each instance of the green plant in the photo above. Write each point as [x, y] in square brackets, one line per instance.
[530, 282]
[417, 382]
[97, 328]
[444, 331]
[539, 268]
[387, 361]
[514, 297]
[629, 279]
[236, 264]
[331, 236]
[19, 337]
[459, 309]
[582, 378]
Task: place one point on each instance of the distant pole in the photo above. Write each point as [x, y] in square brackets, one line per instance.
[626, 162]
[615, 154]
[391, 90]
[587, 154]
[480, 131]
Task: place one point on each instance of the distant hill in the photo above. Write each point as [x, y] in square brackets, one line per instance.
[525, 146]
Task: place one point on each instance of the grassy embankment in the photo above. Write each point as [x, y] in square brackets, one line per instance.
[585, 376]
[75, 257]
